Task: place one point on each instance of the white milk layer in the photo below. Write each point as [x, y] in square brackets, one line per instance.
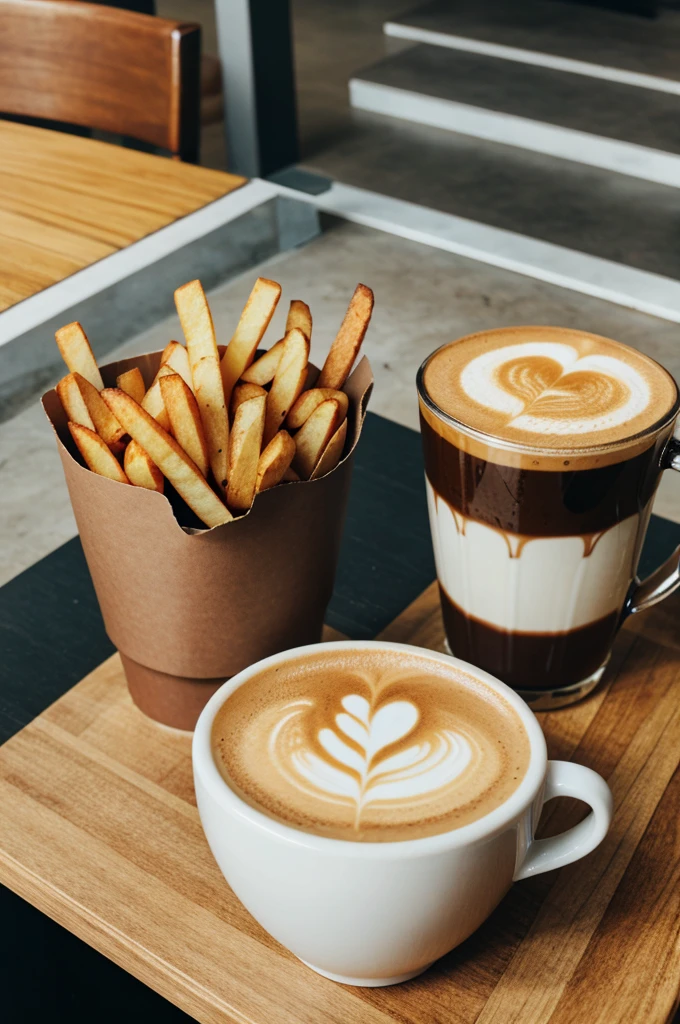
[532, 584]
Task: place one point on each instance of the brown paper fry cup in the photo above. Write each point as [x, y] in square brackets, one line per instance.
[189, 608]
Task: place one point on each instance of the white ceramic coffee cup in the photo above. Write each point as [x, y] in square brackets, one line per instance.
[380, 913]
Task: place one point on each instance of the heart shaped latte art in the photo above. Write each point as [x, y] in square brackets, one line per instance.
[364, 756]
[528, 377]
[545, 388]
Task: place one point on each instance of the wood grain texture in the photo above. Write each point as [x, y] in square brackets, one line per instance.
[102, 67]
[105, 838]
[66, 202]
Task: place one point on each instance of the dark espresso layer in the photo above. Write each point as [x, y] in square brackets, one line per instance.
[540, 503]
[529, 661]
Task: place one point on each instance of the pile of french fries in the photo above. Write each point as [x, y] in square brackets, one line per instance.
[219, 430]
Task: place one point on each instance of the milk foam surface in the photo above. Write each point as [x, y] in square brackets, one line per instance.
[546, 387]
[370, 745]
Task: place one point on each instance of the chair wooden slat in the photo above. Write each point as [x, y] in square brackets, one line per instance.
[104, 68]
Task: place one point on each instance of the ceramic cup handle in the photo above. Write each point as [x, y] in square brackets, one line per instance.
[666, 579]
[566, 779]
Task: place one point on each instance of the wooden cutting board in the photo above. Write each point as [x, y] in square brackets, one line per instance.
[67, 201]
[101, 832]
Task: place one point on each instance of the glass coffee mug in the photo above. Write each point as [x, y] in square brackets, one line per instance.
[543, 451]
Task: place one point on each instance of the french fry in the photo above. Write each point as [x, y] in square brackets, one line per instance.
[332, 454]
[275, 461]
[299, 315]
[290, 476]
[77, 353]
[97, 455]
[289, 380]
[177, 357]
[172, 461]
[73, 402]
[245, 443]
[345, 348]
[105, 423]
[153, 400]
[185, 419]
[132, 383]
[254, 321]
[243, 392]
[140, 470]
[263, 369]
[312, 438]
[199, 331]
[309, 400]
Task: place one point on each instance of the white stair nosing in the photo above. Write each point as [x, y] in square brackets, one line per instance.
[629, 287]
[537, 58]
[511, 130]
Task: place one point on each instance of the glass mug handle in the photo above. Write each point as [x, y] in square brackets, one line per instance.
[666, 579]
[566, 779]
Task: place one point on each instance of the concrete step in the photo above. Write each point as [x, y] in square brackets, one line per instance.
[567, 37]
[614, 217]
[611, 125]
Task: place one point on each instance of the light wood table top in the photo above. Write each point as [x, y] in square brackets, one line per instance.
[591, 944]
[67, 201]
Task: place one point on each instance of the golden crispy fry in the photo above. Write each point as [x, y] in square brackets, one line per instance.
[290, 476]
[345, 348]
[153, 400]
[199, 331]
[98, 456]
[299, 315]
[263, 369]
[185, 419]
[243, 392]
[141, 471]
[275, 461]
[332, 454]
[73, 402]
[245, 443]
[177, 357]
[132, 383]
[105, 423]
[254, 321]
[174, 463]
[312, 438]
[77, 353]
[309, 400]
[289, 380]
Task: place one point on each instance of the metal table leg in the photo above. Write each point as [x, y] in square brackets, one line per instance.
[256, 51]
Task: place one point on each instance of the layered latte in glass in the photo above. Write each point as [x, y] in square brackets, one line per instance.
[543, 450]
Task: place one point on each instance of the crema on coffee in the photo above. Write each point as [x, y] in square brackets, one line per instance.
[370, 745]
[548, 387]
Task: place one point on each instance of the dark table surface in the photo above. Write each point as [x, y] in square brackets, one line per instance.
[51, 635]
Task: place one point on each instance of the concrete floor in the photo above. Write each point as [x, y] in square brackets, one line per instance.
[613, 216]
[424, 297]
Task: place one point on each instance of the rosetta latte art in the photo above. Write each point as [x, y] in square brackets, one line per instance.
[354, 762]
[547, 388]
[369, 745]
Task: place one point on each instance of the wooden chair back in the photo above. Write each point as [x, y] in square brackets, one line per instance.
[102, 67]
